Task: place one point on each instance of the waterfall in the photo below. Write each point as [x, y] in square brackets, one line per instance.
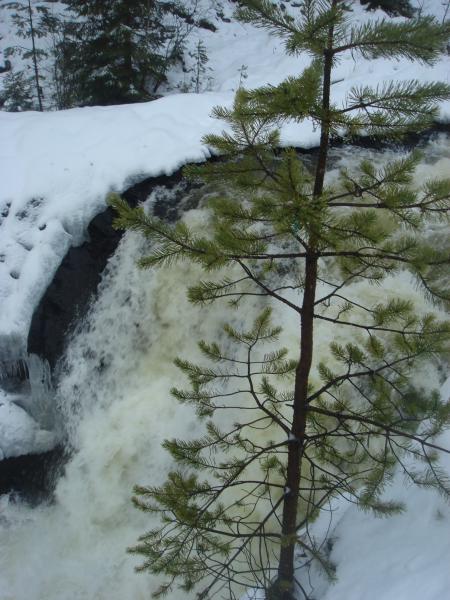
[113, 397]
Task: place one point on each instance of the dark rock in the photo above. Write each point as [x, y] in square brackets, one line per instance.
[67, 299]
[32, 476]
[6, 67]
[205, 24]
[74, 283]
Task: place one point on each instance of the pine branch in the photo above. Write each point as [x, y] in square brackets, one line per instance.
[378, 425]
[418, 39]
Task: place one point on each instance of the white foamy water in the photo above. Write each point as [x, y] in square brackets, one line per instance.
[114, 397]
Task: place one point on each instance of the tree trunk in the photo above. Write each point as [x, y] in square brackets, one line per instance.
[285, 586]
[295, 447]
[35, 64]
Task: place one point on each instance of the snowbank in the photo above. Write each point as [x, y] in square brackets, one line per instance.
[55, 169]
[396, 558]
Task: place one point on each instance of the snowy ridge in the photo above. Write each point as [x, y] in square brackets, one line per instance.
[56, 169]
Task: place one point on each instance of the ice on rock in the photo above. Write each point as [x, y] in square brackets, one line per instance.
[19, 432]
[28, 422]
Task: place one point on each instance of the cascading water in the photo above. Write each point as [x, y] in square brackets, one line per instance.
[113, 398]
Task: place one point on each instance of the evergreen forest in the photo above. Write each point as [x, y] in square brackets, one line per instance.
[87, 53]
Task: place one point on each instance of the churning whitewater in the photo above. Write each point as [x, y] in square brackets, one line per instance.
[113, 398]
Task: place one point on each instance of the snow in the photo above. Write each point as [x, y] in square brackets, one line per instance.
[56, 169]
[402, 557]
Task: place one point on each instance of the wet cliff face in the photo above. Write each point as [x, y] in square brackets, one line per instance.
[68, 295]
[32, 476]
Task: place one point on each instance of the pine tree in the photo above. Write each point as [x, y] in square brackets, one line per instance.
[301, 431]
[199, 69]
[28, 19]
[17, 93]
[59, 29]
[122, 49]
[48, 80]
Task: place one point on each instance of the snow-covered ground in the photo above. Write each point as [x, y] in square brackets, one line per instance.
[404, 557]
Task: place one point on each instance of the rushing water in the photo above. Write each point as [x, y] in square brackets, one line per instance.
[113, 396]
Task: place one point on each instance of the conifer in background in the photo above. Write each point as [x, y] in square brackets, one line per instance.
[17, 94]
[283, 435]
[23, 90]
[199, 69]
[60, 28]
[48, 79]
[122, 49]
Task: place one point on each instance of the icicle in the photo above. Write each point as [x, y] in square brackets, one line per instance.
[42, 395]
[13, 354]
[13, 369]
